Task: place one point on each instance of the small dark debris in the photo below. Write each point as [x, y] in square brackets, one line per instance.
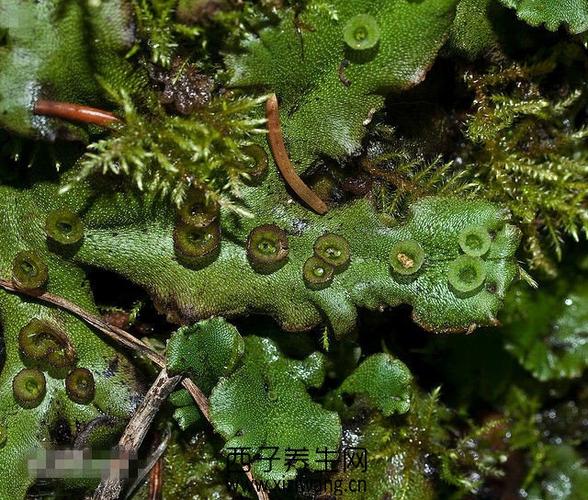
[185, 89]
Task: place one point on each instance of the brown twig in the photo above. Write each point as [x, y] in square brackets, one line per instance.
[122, 337]
[276, 140]
[155, 481]
[136, 430]
[75, 112]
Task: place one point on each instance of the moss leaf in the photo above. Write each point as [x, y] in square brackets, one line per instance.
[54, 50]
[302, 61]
[134, 237]
[265, 404]
[571, 13]
[547, 329]
[384, 381]
[205, 351]
[57, 420]
[566, 476]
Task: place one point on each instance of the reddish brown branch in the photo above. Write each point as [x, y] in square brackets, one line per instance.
[75, 112]
[283, 162]
[156, 481]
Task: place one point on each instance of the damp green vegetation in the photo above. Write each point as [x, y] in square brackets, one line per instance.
[425, 337]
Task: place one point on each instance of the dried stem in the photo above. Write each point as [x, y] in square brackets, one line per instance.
[284, 164]
[155, 481]
[136, 430]
[75, 112]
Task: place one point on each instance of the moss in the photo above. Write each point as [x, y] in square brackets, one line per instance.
[526, 158]
[33, 330]
[206, 351]
[573, 14]
[265, 403]
[259, 169]
[301, 67]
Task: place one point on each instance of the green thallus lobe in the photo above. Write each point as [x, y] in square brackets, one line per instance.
[64, 227]
[267, 248]
[29, 272]
[79, 385]
[466, 273]
[317, 273]
[29, 387]
[39, 340]
[407, 257]
[361, 32]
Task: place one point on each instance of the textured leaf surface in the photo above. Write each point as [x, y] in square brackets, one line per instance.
[472, 33]
[547, 329]
[300, 61]
[265, 404]
[205, 351]
[398, 454]
[117, 392]
[553, 14]
[137, 242]
[384, 381]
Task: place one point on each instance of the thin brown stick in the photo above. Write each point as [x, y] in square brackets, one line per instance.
[75, 112]
[136, 430]
[276, 140]
[122, 337]
[156, 481]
